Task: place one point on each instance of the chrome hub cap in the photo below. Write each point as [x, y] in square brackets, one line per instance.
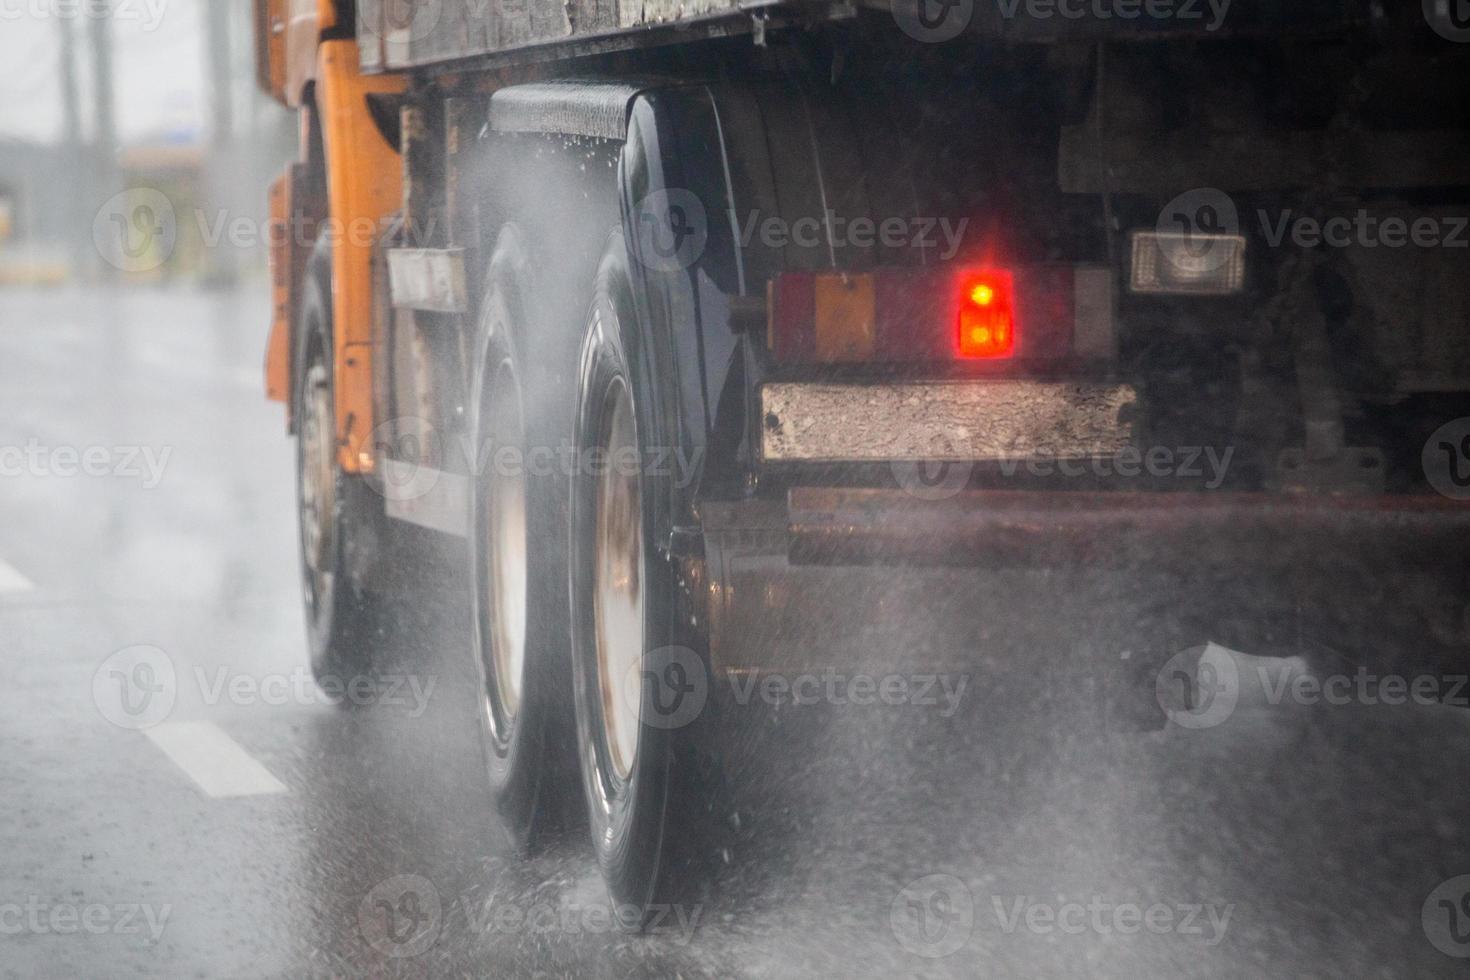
[318, 488]
[617, 583]
[505, 529]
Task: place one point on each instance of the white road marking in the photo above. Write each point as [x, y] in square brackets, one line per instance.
[216, 762]
[13, 582]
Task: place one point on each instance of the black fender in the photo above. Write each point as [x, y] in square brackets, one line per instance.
[693, 160]
[700, 164]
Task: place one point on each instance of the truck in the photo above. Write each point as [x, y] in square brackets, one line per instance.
[674, 329]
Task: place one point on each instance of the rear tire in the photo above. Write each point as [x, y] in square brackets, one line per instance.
[638, 692]
[346, 625]
[518, 551]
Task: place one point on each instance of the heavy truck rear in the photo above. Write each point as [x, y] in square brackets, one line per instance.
[677, 331]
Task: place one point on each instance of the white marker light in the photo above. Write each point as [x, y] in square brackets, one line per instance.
[1188, 264]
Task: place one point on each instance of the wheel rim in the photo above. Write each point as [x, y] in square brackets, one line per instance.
[618, 581]
[318, 487]
[505, 530]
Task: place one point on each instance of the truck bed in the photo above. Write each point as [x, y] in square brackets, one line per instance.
[400, 34]
[397, 34]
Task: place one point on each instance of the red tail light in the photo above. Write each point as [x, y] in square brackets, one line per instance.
[987, 317]
[975, 315]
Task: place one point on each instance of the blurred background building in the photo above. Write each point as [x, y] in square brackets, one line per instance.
[99, 113]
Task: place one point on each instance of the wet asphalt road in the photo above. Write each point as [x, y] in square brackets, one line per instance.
[1290, 840]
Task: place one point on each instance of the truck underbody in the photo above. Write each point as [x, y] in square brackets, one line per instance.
[874, 320]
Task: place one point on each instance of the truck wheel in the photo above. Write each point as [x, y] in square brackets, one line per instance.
[344, 623]
[624, 602]
[518, 552]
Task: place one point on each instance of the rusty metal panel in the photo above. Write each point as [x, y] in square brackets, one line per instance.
[460, 27]
[666, 11]
[396, 34]
[550, 21]
[428, 279]
[594, 16]
[445, 30]
[981, 420]
[510, 24]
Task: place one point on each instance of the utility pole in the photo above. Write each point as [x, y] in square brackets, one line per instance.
[73, 228]
[221, 264]
[71, 108]
[104, 169]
